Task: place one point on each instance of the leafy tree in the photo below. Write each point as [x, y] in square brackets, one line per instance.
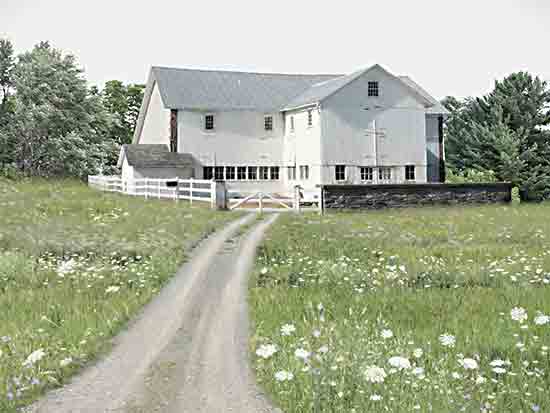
[123, 102]
[7, 63]
[504, 132]
[57, 121]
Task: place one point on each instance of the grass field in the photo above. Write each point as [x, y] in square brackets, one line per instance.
[429, 310]
[75, 265]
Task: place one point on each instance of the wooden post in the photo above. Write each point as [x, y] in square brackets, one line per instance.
[158, 188]
[220, 195]
[321, 200]
[191, 191]
[297, 198]
[146, 188]
[261, 202]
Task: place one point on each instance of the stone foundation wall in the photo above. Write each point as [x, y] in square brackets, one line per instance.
[408, 195]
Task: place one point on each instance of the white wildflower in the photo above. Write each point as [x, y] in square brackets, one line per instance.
[469, 364]
[112, 289]
[34, 357]
[376, 397]
[65, 267]
[480, 380]
[284, 375]
[266, 350]
[288, 329]
[263, 271]
[518, 314]
[542, 319]
[65, 362]
[499, 370]
[400, 363]
[386, 333]
[418, 352]
[418, 372]
[374, 374]
[447, 340]
[497, 363]
[302, 354]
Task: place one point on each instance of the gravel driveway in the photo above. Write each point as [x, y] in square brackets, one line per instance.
[187, 351]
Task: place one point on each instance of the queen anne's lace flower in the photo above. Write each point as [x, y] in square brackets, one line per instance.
[288, 329]
[447, 340]
[374, 374]
[266, 350]
[469, 364]
[386, 333]
[518, 314]
[418, 352]
[542, 319]
[284, 376]
[34, 357]
[400, 363]
[302, 354]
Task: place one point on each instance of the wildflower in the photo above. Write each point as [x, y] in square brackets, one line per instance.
[418, 372]
[288, 329]
[34, 357]
[263, 271]
[400, 363]
[385, 334]
[65, 362]
[535, 408]
[302, 354]
[65, 267]
[497, 363]
[374, 374]
[480, 380]
[499, 370]
[456, 375]
[376, 397]
[284, 376]
[418, 352]
[542, 319]
[518, 314]
[323, 349]
[112, 289]
[447, 340]
[316, 333]
[266, 351]
[469, 364]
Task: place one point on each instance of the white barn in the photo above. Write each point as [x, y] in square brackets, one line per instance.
[270, 132]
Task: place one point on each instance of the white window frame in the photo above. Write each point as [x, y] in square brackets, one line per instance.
[336, 174]
[216, 169]
[291, 173]
[304, 172]
[263, 173]
[365, 172]
[384, 174]
[272, 122]
[248, 170]
[272, 169]
[375, 88]
[227, 174]
[413, 173]
[245, 173]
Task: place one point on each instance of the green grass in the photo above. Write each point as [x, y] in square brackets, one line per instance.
[342, 279]
[118, 252]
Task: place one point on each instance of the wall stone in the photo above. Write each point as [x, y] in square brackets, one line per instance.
[408, 195]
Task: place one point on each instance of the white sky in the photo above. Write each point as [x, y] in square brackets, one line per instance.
[450, 47]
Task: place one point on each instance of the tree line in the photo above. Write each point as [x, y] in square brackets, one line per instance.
[52, 124]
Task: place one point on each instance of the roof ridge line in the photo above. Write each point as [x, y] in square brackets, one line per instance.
[246, 72]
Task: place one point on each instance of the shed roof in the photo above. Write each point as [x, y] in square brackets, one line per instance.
[153, 156]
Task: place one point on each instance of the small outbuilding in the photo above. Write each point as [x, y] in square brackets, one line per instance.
[154, 161]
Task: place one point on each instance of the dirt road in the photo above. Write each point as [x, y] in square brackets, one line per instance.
[187, 351]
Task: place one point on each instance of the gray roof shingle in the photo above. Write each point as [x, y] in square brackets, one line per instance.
[151, 156]
[224, 90]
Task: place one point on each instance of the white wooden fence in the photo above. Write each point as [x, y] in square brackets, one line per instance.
[190, 189]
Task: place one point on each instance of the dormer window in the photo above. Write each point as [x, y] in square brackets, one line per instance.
[373, 89]
[268, 123]
[209, 122]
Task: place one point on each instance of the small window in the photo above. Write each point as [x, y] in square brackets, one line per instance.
[410, 173]
[241, 173]
[366, 173]
[218, 172]
[373, 89]
[274, 173]
[304, 172]
[208, 172]
[309, 118]
[291, 173]
[292, 124]
[230, 173]
[252, 173]
[384, 174]
[268, 123]
[264, 172]
[340, 172]
[209, 122]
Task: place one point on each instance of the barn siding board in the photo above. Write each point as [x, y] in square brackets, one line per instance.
[400, 196]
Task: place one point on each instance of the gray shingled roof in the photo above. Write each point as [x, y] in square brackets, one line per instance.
[437, 108]
[152, 156]
[224, 90]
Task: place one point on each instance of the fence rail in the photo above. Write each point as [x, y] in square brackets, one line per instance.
[190, 189]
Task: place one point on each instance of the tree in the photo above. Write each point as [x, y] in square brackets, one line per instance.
[57, 120]
[504, 132]
[7, 63]
[123, 102]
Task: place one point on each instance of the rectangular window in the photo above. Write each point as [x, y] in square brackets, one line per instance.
[291, 173]
[373, 89]
[264, 172]
[304, 172]
[274, 173]
[340, 172]
[218, 173]
[241, 173]
[230, 173]
[209, 122]
[410, 173]
[309, 118]
[207, 172]
[366, 173]
[292, 124]
[252, 173]
[268, 123]
[384, 174]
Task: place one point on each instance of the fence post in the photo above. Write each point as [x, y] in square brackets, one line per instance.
[261, 204]
[219, 195]
[191, 191]
[321, 200]
[146, 189]
[158, 188]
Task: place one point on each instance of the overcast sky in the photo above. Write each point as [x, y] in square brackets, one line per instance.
[450, 47]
